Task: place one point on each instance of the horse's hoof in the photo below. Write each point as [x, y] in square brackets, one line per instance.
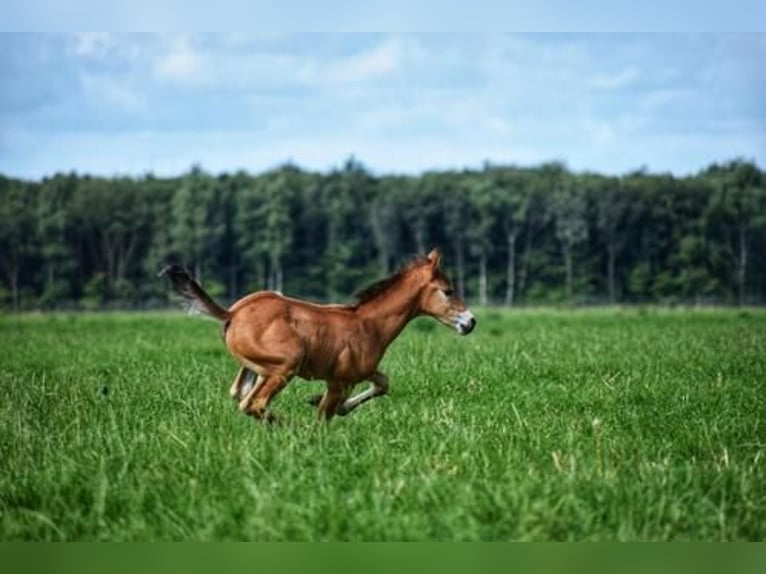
[342, 411]
[272, 420]
[268, 419]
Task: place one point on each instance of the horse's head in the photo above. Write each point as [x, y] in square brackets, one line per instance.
[439, 300]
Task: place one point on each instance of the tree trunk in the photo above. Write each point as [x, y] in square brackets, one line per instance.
[483, 280]
[278, 275]
[742, 267]
[109, 256]
[524, 271]
[126, 257]
[420, 236]
[510, 276]
[460, 269]
[10, 264]
[379, 238]
[14, 277]
[383, 260]
[568, 265]
[611, 254]
[268, 274]
[232, 281]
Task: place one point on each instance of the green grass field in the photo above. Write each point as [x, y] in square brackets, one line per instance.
[543, 425]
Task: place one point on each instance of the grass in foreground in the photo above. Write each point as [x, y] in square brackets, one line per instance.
[542, 425]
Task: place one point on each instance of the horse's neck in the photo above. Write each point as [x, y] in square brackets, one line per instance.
[391, 311]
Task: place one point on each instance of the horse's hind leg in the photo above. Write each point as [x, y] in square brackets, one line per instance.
[378, 388]
[247, 395]
[242, 384]
[259, 397]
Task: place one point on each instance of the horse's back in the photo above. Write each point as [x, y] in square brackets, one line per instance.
[265, 297]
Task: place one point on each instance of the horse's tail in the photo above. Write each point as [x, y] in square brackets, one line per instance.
[185, 285]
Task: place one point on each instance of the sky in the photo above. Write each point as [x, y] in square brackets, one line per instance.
[112, 103]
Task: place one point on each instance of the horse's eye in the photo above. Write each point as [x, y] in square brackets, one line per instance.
[448, 292]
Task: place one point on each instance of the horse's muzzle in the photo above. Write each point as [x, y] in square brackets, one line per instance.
[465, 322]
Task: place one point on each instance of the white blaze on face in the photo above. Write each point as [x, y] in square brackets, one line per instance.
[464, 322]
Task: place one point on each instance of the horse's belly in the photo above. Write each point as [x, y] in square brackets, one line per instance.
[346, 366]
[315, 367]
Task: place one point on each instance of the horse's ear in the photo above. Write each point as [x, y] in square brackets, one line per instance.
[435, 257]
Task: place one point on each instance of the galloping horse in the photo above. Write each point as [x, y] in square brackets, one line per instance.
[276, 337]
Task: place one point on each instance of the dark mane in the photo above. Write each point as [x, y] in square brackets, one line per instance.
[369, 293]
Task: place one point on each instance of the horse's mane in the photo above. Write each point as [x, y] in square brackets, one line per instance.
[370, 292]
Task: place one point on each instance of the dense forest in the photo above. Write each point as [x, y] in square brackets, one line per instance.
[510, 235]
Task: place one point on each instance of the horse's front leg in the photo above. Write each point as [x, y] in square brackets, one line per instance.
[378, 388]
[333, 400]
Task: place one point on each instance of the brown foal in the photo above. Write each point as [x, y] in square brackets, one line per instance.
[276, 338]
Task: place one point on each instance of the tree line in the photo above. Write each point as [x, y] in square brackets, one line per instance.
[510, 235]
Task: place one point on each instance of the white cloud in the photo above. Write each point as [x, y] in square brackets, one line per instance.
[180, 63]
[622, 79]
[398, 102]
[108, 47]
[384, 59]
[497, 125]
[241, 62]
[442, 114]
[656, 100]
[106, 91]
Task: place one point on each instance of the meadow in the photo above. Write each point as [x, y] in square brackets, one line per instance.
[615, 424]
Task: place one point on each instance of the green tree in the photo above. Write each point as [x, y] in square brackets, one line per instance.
[509, 198]
[568, 207]
[421, 210]
[654, 241]
[250, 221]
[345, 196]
[481, 219]
[457, 219]
[54, 231]
[536, 232]
[385, 215]
[17, 233]
[279, 190]
[537, 218]
[195, 228]
[159, 252]
[612, 210]
[739, 205]
[113, 225]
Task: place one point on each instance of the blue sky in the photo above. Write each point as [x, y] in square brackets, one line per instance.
[107, 103]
